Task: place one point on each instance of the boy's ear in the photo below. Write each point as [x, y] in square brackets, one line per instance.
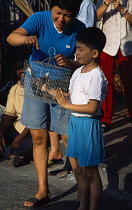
[95, 53]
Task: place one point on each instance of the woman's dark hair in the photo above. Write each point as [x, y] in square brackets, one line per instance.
[93, 37]
[70, 5]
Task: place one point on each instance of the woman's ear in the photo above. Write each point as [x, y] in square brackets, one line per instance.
[95, 53]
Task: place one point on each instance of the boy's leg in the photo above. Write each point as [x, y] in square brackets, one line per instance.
[90, 186]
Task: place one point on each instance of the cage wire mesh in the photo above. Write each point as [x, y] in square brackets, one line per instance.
[41, 79]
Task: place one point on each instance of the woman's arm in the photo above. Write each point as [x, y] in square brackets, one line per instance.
[20, 37]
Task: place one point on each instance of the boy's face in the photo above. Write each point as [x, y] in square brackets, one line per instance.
[84, 54]
[61, 18]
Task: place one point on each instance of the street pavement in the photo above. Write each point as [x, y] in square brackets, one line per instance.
[18, 184]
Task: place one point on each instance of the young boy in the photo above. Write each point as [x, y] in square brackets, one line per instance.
[88, 88]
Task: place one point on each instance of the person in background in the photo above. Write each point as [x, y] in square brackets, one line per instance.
[116, 22]
[15, 139]
[4, 91]
[61, 27]
[87, 90]
[87, 13]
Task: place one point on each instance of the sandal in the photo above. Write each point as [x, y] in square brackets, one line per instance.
[38, 203]
[55, 162]
[58, 172]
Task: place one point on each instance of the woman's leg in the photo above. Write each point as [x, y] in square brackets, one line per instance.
[90, 186]
[40, 154]
[55, 152]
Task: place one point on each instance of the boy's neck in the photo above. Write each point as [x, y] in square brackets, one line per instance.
[89, 67]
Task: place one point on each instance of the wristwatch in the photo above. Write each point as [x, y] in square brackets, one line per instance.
[106, 4]
[123, 13]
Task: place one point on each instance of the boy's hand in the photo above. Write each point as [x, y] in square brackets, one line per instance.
[60, 97]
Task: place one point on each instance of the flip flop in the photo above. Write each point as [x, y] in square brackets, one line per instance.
[58, 172]
[55, 162]
[38, 203]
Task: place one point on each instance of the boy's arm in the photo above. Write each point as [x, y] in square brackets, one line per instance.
[89, 108]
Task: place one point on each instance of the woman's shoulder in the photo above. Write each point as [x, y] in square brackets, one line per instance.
[42, 14]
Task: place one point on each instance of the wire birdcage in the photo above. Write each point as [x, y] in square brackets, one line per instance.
[41, 79]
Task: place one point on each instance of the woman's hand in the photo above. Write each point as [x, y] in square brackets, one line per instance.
[61, 99]
[61, 60]
[32, 41]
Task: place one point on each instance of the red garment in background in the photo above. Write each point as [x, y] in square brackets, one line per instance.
[124, 64]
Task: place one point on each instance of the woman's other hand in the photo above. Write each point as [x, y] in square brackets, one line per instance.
[61, 60]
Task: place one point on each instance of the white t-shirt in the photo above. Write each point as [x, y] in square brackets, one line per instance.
[86, 86]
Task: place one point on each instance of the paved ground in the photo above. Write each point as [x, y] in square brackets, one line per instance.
[18, 184]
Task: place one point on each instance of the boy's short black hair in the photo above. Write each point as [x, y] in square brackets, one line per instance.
[93, 37]
[70, 5]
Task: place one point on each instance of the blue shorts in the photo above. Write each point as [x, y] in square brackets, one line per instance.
[38, 115]
[85, 141]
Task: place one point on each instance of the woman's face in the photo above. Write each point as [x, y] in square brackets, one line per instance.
[61, 18]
